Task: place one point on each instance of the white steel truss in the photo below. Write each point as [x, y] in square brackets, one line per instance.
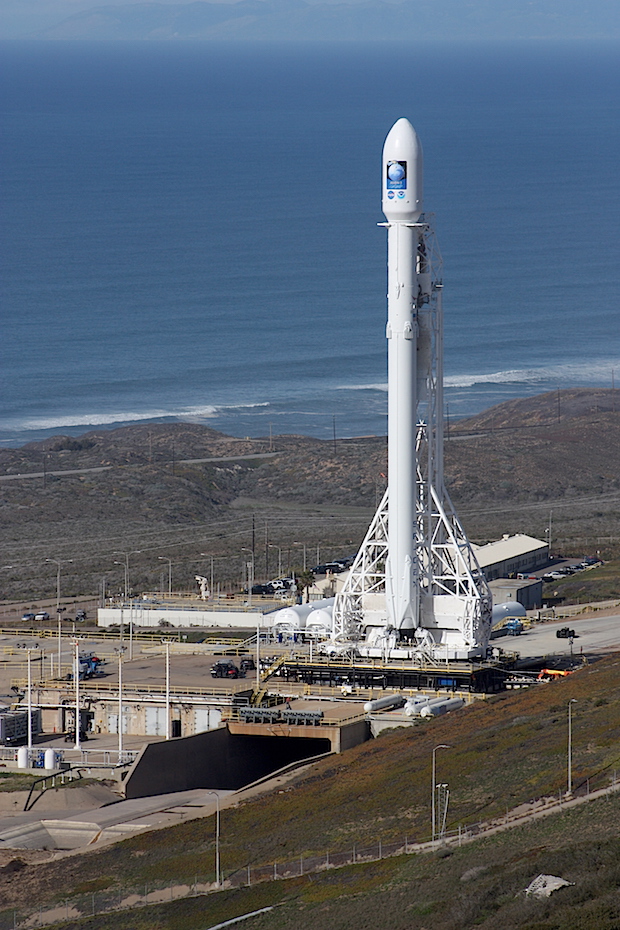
[454, 600]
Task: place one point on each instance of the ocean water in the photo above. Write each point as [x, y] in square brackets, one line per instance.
[190, 230]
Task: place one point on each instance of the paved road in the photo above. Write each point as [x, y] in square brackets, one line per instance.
[597, 635]
[100, 468]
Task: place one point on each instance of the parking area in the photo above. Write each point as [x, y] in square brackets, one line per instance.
[595, 635]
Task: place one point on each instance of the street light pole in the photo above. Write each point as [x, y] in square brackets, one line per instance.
[29, 709]
[569, 790]
[125, 564]
[29, 694]
[279, 558]
[59, 611]
[167, 689]
[77, 694]
[120, 651]
[217, 837]
[433, 811]
[250, 567]
[305, 555]
[164, 558]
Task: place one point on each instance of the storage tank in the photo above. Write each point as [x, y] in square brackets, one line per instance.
[392, 700]
[22, 757]
[415, 703]
[49, 760]
[441, 707]
[289, 619]
[319, 622]
[508, 610]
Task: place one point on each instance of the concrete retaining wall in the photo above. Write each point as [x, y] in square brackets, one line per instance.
[217, 759]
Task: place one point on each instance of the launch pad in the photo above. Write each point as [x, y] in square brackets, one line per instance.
[396, 675]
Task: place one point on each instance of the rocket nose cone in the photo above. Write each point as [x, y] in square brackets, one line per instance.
[402, 134]
[402, 175]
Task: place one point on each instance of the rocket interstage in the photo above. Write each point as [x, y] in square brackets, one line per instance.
[415, 589]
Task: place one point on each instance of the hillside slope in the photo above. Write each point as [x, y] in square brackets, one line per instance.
[511, 469]
[500, 754]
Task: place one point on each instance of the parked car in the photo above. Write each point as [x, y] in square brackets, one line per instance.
[27, 617]
[247, 665]
[225, 668]
[262, 588]
[43, 616]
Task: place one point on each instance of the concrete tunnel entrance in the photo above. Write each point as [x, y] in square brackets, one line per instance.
[215, 759]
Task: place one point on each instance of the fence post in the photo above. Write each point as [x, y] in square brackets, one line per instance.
[249, 882]
[406, 846]
[275, 870]
[327, 860]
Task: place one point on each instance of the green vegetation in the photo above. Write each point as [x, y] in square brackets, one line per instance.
[16, 781]
[598, 584]
[503, 752]
[479, 885]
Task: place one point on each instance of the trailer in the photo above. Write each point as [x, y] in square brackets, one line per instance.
[14, 726]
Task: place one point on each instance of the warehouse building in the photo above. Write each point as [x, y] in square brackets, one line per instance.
[512, 555]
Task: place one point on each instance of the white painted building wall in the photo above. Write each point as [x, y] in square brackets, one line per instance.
[179, 618]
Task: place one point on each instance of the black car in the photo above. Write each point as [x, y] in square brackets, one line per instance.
[224, 669]
[262, 589]
[565, 632]
[247, 665]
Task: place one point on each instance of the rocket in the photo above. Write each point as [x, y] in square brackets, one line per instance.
[408, 291]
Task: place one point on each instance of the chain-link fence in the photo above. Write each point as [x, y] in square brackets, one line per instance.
[89, 905]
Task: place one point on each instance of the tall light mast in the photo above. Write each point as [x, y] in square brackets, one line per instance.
[415, 589]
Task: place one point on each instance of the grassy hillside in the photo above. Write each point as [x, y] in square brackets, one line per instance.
[503, 753]
[519, 467]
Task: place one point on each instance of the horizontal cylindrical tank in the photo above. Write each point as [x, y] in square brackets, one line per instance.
[415, 709]
[508, 610]
[441, 707]
[415, 704]
[391, 700]
[319, 620]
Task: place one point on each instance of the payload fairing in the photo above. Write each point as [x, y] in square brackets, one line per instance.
[415, 589]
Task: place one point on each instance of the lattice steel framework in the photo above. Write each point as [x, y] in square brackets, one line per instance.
[445, 563]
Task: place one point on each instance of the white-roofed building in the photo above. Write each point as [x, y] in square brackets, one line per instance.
[512, 554]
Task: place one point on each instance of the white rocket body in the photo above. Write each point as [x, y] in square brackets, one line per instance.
[415, 589]
[407, 286]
